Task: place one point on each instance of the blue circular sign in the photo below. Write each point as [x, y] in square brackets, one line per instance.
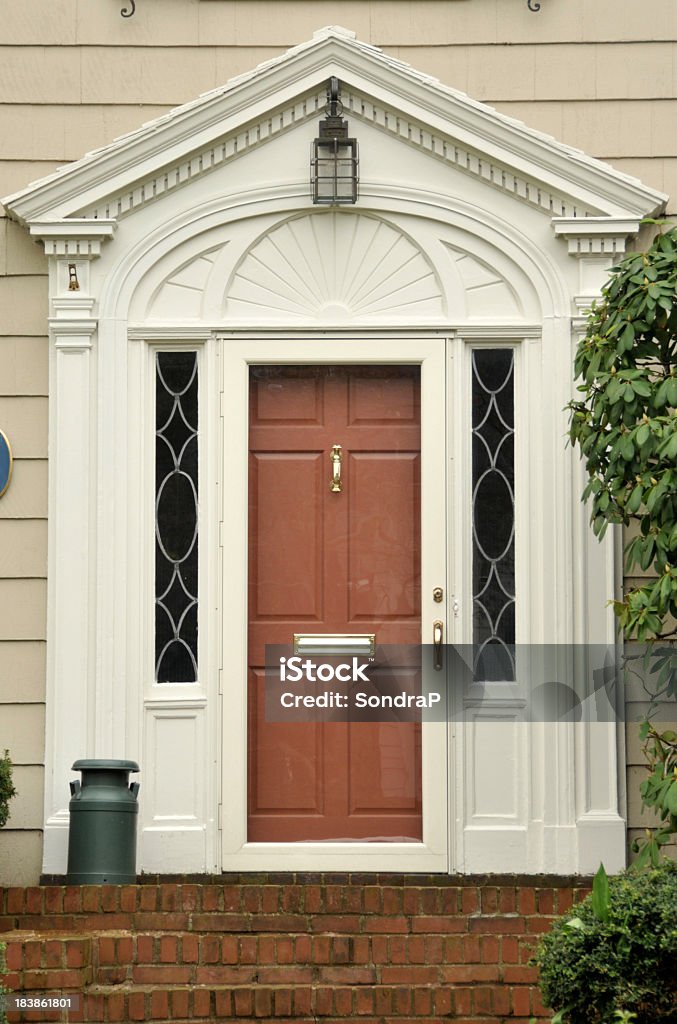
[6, 461]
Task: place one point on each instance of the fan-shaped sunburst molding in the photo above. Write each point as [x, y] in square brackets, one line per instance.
[333, 267]
[487, 293]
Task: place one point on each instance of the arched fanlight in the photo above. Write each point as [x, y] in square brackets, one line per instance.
[334, 160]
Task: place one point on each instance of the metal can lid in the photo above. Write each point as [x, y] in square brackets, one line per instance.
[105, 764]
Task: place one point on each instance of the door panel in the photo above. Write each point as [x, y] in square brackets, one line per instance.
[284, 586]
[339, 563]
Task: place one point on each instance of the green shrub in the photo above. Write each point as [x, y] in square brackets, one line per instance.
[615, 954]
[7, 790]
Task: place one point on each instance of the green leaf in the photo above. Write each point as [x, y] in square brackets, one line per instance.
[628, 337]
[669, 450]
[600, 895]
[642, 389]
[643, 434]
[635, 499]
[670, 802]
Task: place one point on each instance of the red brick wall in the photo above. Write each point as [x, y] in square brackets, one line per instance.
[301, 948]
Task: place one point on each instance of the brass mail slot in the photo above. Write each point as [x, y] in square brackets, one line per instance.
[359, 644]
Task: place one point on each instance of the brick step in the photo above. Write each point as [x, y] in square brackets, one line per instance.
[309, 948]
[53, 906]
[187, 958]
[296, 1002]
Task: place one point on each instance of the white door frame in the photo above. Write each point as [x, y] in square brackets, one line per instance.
[432, 853]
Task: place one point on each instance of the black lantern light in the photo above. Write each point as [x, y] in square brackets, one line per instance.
[333, 162]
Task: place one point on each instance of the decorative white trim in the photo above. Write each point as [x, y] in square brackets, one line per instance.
[595, 236]
[71, 599]
[74, 335]
[214, 156]
[101, 699]
[73, 237]
[524, 188]
[238, 854]
[514, 156]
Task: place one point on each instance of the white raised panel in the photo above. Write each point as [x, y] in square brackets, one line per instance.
[172, 799]
[495, 766]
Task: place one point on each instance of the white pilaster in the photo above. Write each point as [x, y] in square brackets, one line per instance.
[70, 708]
[71, 704]
[596, 243]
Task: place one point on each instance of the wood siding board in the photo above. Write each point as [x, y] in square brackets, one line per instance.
[21, 856]
[23, 727]
[26, 497]
[23, 305]
[26, 806]
[23, 609]
[24, 421]
[22, 671]
[25, 369]
[23, 548]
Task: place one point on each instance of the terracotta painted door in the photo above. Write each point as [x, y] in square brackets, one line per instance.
[326, 562]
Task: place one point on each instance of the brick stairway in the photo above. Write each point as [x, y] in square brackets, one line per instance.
[308, 949]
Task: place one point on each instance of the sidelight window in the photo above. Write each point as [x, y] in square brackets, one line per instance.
[493, 512]
[176, 517]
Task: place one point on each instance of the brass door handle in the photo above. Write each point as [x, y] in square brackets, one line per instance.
[336, 459]
[438, 638]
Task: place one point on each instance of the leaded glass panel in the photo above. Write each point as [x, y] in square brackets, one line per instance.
[493, 512]
[176, 517]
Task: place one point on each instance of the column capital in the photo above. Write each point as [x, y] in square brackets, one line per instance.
[601, 237]
[79, 237]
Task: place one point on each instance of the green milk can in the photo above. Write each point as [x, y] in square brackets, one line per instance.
[102, 830]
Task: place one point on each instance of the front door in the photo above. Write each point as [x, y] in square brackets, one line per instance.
[334, 549]
[345, 536]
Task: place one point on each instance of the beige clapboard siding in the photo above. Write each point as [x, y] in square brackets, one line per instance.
[22, 731]
[24, 420]
[17, 174]
[248, 22]
[157, 75]
[47, 131]
[26, 498]
[20, 857]
[26, 807]
[604, 128]
[24, 609]
[19, 253]
[534, 72]
[25, 366]
[22, 671]
[23, 548]
[23, 305]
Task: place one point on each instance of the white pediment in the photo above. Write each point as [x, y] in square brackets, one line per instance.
[284, 94]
